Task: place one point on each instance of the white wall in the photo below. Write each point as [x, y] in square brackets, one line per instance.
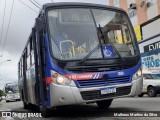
[151, 29]
[152, 11]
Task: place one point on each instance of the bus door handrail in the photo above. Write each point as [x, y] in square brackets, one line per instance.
[72, 48]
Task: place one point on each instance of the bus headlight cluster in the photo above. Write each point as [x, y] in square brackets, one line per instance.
[137, 75]
[61, 80]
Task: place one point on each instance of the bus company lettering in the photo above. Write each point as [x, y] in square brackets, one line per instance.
[87, 76]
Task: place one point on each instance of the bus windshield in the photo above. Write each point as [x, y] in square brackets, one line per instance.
[75, 32]
[11, 88]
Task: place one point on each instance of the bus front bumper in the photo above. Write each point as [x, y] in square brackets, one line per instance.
[13, 99]
[65, 95]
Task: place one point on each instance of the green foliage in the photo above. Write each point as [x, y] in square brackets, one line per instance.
[2, 93]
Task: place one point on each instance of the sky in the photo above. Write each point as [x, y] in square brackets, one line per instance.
[21, 23]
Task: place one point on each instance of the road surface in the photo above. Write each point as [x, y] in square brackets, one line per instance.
[123, 106]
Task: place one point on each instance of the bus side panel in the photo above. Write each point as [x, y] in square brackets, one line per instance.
[47, 71]
[31, 85]
[24, 90]
[20, 86]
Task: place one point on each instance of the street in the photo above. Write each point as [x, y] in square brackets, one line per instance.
[91, 111]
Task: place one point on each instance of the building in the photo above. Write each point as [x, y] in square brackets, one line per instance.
[144, 15]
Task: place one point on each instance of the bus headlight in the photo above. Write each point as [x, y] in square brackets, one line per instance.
[137, 75]
[61, 80]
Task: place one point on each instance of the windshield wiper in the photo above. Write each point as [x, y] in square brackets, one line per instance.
[111, 45]
[99, 45]
[90, 53]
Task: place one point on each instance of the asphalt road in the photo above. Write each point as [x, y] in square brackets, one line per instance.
[123, 107]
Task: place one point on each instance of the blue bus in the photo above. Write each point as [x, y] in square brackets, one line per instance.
[79, 53]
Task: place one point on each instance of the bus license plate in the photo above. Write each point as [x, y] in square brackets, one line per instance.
[108, 90]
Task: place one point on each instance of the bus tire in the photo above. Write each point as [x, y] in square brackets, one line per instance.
[44, 112]
[25, 105]
[151, 92]
[104, 104]
[140, 95]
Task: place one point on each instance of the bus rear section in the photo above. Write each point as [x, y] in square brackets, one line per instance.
[79, 53]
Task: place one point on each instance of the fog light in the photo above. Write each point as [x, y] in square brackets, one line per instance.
[61, 99]
[55, 75]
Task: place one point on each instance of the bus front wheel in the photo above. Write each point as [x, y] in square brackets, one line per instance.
[25, 105]
[140, 95]
[44, 112]
[104, 104]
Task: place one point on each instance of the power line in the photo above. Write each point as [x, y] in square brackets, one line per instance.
[52, 1]
[8, 27]
[10, 20]
[27, 6]
[34, 4]
[3, 22]
[37, 2]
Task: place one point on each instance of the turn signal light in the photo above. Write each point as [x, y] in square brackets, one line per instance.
[55, 75]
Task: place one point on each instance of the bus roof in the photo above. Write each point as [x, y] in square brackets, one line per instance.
[77, 4]
[11, 83]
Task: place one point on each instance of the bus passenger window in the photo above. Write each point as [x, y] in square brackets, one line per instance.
[28, 49]
[28, 62]
[32, 57]
[21, 67]
[31, 52]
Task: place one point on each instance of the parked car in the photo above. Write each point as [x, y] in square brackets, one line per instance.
[151, 85]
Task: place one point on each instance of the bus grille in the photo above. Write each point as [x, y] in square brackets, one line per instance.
[98, 68]
[103, 82]
[96, 94]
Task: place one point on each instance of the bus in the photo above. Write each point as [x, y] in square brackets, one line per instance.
[12, 92]
[79, 53]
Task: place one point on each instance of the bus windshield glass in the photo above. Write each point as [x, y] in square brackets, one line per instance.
[75, 32]
[11, 88]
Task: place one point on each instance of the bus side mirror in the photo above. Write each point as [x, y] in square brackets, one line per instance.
[39, 24]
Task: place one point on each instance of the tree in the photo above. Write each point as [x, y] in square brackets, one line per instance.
[2, 93]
